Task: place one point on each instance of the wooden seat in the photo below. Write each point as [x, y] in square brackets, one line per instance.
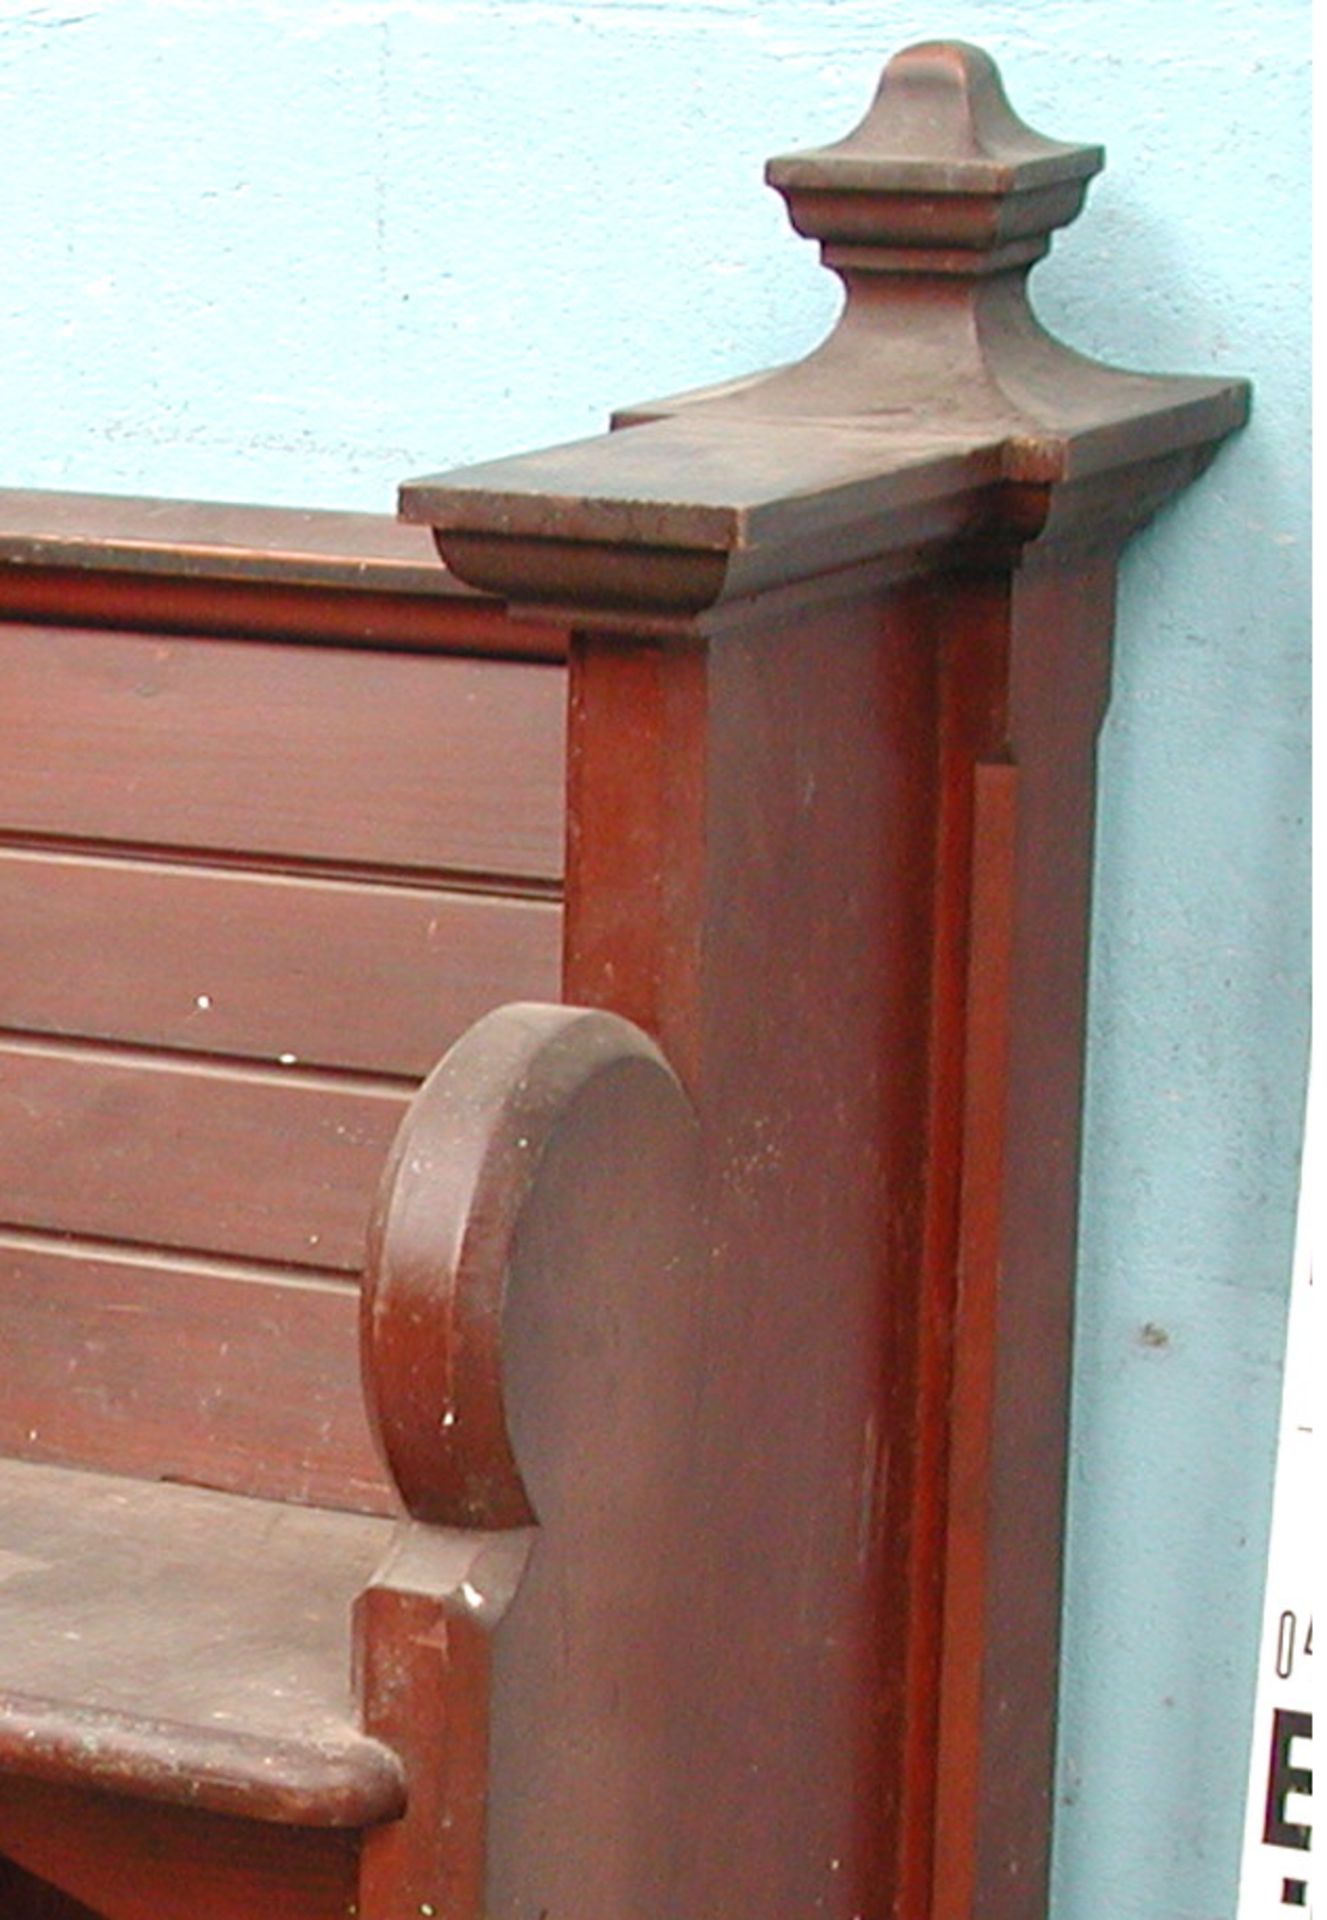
[190, 1646]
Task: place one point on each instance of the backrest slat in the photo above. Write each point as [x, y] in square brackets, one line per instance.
[148, 1151]
[261, 966]
[302, 753]
[181, 1369]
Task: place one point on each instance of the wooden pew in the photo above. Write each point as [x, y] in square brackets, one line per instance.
[713, 1325]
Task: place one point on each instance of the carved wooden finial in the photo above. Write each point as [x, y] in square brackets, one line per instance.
[940, 177]
[937, 383]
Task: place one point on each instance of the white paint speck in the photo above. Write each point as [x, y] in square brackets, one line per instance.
[203, 1001]
[471, 1595]
[449, 1418]
[287, 1059]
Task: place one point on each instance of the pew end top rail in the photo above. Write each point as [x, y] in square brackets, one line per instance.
[665, 1519]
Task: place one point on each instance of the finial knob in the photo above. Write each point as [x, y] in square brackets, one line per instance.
[940, 177]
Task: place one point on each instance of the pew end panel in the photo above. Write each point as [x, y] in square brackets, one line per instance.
[531, 1391]
[861, 612]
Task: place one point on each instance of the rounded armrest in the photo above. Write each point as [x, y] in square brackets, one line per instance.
[551, 1148]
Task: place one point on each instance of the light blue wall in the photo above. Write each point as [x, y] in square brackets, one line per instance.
[294, 252]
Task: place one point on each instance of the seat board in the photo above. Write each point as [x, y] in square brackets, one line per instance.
[186, 1645]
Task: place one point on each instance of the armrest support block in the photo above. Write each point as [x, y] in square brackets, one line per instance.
[534, 1110]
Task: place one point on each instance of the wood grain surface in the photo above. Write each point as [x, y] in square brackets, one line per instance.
[277, 1165]
[216, 1373]
[137, 1861]
[261, 966]
[305, 753]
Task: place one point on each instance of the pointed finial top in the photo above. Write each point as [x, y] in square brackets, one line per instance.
[940, 165]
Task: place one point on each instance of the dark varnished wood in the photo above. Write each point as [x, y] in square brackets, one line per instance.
[793, 823]
[389, 759]
[1024, 1035]
[261, 966]
[186, 566]
[275, 1165]
[226, 1375]
[462, 1177]
[24, 1897]
[190, 828]
[140, 1861]
[272, 610]
[531, 1337]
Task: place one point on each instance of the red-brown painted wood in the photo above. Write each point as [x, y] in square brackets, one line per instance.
[23, 1897]
[134, 1861]
[966, 1107]
[869, 965]
[275, 1165]
[273, 610]
[240, 1378]
[797, 831]
[396, 760]
[260, 966]
[531, 1307]
[924, 713]
[1017, 1224]
[424, 1637]
[184, 566]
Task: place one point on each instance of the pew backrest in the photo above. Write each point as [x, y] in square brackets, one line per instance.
[281, 814]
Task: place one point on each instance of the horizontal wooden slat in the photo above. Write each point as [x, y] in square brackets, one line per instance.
[408, 760]
[331, 973]
[213, 539]
[84, 595]
[171, 1370]
[258, 1165]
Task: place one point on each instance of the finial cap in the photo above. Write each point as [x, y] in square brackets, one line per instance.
[941, 164]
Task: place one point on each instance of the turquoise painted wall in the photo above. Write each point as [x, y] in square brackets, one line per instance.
[294, 252]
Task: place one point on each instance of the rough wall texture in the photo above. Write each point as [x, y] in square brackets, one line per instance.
[295, 251]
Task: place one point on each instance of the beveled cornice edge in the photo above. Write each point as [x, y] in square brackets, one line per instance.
[671, 519]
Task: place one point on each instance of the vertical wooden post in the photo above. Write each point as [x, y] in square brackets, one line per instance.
[841, 653]
[777, 885]
[1012, 1097]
